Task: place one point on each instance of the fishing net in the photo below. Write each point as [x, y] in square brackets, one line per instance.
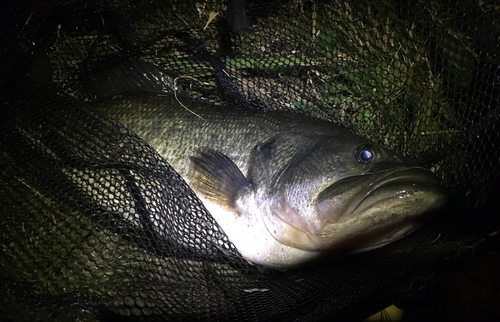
[78, 189]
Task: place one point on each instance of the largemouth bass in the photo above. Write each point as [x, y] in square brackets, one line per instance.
[285, 188]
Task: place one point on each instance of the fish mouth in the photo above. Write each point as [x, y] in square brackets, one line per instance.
[372, 210]
[410, 190]
[402, 184]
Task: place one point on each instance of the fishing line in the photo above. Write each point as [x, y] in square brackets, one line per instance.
[175, 94]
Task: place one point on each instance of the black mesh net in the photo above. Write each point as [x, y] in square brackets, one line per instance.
[97, 226]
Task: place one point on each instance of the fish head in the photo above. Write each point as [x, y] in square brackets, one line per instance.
[339, 191]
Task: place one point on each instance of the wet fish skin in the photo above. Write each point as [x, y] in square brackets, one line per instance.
[286, 188]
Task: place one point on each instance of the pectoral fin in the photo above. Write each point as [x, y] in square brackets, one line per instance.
[216, 177]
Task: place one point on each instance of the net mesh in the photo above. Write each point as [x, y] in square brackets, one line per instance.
[96, 225]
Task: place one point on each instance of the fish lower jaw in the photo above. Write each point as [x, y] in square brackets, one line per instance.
[404, 231]
[384, 221]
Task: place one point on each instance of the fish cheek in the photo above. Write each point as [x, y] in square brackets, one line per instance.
[273, 212]
[339, 199]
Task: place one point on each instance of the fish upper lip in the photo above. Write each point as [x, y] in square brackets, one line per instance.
[418, 175]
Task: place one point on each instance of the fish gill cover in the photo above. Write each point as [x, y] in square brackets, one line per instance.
[96, 225]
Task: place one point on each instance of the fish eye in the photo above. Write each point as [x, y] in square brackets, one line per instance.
[364, 153]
